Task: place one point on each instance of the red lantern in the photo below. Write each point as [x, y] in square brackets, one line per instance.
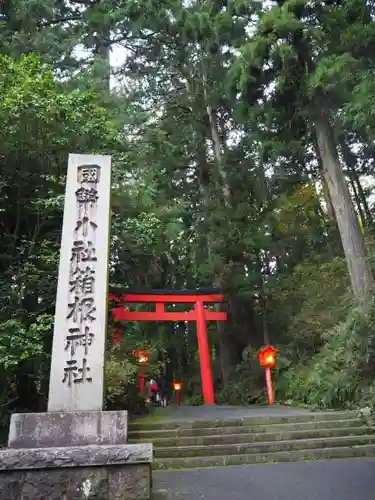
[142, 356]
[267, 360]
[177, 386]
[267, 357]
[142, 360]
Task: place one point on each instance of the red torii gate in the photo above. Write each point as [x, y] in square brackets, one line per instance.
[198, 313]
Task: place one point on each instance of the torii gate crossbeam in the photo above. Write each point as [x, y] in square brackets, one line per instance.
[198, 314]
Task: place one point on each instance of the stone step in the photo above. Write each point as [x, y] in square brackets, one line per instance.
[198, 424]
[263, 447]
[275, 457]
[282, 435]
[248, 427]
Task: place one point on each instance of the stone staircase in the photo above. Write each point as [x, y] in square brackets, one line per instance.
[200, 444]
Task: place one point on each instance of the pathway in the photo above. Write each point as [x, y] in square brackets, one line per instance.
[222, 412]
[346, 479]
[323, 480]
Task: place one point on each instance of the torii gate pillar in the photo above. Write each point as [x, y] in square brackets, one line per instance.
[204, 355]
[198, 314]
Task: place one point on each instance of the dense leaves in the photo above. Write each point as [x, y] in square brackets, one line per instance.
[41, 124]
[342, 372]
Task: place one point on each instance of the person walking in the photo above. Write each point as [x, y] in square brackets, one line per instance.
[163, 385]
[164, 390]
[154, 391]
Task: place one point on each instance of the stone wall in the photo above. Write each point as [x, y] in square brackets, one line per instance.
[130, 482]
[76, 473]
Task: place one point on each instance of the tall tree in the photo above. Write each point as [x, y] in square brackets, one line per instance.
[287, 41]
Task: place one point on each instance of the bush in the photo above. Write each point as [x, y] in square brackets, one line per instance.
[341, 373]
[21, 348]
[246, 386]
[195, 400]
[307, 302]
[192, 386]
[121, 386]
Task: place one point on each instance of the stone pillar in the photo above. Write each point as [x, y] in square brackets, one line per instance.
[76, 380]
[76, 450]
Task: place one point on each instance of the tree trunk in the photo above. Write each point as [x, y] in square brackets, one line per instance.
[351, 236]
[351, 162]
[101, 57]
[327, 198]
[214, 185]
[263, 298]
[218, 147]
[230, 347]
[362, 197]
[228, 350]
[361, 278]
[328, 201]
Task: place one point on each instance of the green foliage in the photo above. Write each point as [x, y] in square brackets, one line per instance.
[37, 111]
[329, 69]
[246, 385]
[360, 110]
[192, 387]
[121, 388]
[195, 400]
[19, 343]
[121, 376]
[297, 311]
[341, 373]
[42, 123]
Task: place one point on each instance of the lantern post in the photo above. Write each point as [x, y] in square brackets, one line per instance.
[177, 386]
[197, 313]
[142, 360]
[267, 360]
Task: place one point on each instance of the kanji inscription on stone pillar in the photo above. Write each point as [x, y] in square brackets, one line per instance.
[76, 380]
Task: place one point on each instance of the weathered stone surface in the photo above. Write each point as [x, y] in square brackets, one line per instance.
[130, 486]
[262, 447]
[234, 438]
[40, 430]
[274, 457]
[183, 432]
[75, 456]
[110, 482]
[250, 417]
[80, 332]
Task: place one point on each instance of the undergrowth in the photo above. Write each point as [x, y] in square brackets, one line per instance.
[342, 373]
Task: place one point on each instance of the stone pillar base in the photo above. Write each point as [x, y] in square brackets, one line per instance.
[81, 428]
[100, 472]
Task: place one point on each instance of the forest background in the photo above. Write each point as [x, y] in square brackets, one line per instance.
[242, 136]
